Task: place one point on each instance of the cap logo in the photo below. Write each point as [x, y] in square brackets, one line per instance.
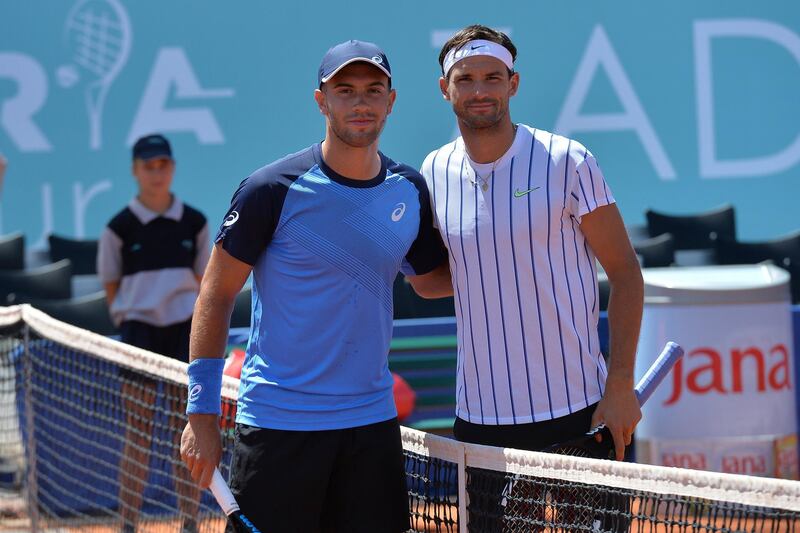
[349, 52]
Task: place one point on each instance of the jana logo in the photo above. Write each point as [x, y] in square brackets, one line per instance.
[706, 370]
[98, 38]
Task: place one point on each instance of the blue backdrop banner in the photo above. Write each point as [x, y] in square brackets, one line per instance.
[686, 105]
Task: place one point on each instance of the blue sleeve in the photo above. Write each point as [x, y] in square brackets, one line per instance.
[427, 251]
[252, 217]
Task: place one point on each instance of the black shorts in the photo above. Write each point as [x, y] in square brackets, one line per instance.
[486, 491]
[346, 480]
[534, 436]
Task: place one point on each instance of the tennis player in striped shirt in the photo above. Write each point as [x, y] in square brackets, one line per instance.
[524, 214]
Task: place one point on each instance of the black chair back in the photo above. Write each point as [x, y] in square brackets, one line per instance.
[82, 253]
[784, 252]
[693, 232]
[656, 251]
[240, 317]
[53, 281]
[87, 312]
[12, 251]
[603, 292]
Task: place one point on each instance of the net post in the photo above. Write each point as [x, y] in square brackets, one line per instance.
[30, 441]
[463, 497]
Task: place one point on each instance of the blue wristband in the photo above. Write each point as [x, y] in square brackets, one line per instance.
[205, 386]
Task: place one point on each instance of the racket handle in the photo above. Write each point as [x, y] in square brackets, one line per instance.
[226, 501]
[658, 371]
[223, 494]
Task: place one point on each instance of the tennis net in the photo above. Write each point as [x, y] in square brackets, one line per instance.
[89, 439]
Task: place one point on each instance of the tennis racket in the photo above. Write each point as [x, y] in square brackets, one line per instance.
[586, 445]
[221, 492]
[575, 504]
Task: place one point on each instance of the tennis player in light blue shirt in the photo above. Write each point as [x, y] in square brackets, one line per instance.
[324, 232]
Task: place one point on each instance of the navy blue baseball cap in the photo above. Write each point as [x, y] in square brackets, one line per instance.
[152, 147]
[348, 52]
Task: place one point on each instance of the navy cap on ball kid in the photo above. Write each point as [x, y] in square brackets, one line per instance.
[352, 51]
[152, 147]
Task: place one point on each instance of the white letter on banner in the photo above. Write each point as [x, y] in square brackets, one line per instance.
[172, 67]
[16, 113]
[704, 31]
[82, 200]
[600, 52]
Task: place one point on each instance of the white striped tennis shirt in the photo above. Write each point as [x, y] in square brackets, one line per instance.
[525, 279]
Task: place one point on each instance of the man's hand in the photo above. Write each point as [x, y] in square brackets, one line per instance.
[201, 447]
[619, 411]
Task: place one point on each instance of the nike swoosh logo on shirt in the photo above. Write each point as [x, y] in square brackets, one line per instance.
[519, 194]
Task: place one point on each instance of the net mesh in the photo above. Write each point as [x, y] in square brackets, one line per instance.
[89, 440]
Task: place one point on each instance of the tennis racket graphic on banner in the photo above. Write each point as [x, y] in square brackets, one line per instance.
[97, 35]
[221, 492]
[586, 445]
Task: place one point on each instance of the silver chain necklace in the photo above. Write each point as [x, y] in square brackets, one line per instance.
[484, 182]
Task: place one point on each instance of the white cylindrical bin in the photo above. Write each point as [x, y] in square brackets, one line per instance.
[729, 404]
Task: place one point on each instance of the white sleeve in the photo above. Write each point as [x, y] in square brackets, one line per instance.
[109, 257]
[427, 172]
[590, 189]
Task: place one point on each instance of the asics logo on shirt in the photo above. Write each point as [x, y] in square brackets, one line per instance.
[398, 212]
[519, 194]
[231, 219]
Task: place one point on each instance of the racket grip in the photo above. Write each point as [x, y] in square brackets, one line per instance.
[658, 371]
[223, 494]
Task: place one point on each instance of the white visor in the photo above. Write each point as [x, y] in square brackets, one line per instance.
[478, 47]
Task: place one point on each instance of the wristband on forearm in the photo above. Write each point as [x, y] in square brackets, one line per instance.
[205, 386]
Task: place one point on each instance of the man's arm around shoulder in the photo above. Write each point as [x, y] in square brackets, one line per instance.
[435, 284]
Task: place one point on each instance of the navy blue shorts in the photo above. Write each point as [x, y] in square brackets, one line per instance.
[347, 480]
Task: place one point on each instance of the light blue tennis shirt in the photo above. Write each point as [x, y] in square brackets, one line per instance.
[325, 251]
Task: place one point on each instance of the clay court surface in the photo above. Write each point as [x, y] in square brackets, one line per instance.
[19, 524]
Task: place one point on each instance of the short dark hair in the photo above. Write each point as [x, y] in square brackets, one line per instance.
[477, 31]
